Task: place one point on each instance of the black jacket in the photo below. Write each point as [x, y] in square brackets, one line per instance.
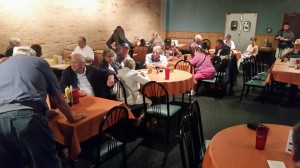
[119, 38]
[224, 51]
[96, 76]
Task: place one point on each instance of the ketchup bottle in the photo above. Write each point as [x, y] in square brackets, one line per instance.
[75, 94]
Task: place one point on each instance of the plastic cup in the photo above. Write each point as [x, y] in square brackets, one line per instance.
[149, 70]
[59, 59]
[261, 137]
[167, 73]
[55, 59]
[171, 69]
[75, 94]
[185, 57]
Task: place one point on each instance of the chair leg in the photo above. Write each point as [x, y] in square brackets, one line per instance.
[190, 98]
[247, 91]
[124, 156]
[168, 131]
[242, 93]
[173, 98]
[182, 99]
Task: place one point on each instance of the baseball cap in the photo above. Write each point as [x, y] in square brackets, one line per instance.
[125, 45]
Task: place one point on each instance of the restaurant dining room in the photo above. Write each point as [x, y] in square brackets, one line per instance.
[149, 84]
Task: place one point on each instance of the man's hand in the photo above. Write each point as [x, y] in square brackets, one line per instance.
[82, 93]
[110, 80]
[278, 38]
[77, 117]
[51, 114]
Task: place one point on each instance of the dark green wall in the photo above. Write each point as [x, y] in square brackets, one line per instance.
[209, 15]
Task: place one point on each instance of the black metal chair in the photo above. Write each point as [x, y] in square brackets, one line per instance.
[217, 83]
[122, 96]
[110, 139]
[249, 77]
[160, 107]
[184, 65]
[197, 132]
[186, 143]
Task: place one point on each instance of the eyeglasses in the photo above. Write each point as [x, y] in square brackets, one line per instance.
[76, 63]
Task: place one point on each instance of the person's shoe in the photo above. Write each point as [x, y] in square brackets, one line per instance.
[192, 93]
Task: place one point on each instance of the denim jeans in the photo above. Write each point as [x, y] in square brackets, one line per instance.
[26, 139]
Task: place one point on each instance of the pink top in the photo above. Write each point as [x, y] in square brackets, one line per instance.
[204, 68]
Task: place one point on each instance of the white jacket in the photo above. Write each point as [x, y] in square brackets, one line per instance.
[132, 80]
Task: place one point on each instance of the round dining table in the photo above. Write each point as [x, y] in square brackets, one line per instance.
[234, 147]
[178, 82]
[172, 63]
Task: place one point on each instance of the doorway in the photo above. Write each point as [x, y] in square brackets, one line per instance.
[241, 27]
[293, 20]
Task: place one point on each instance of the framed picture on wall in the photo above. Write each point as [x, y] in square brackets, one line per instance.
[246, 26]
[269, 30]
[234, 25]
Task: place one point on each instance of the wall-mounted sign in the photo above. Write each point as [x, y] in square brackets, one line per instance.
[234, 25]
[247, 26]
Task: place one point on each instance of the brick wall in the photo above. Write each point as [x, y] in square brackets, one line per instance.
[56, 24]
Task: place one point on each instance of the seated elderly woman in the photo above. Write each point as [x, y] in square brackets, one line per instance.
[132, 80]
[252, 50]
[88, 79]
[108, 61]
[155, 59]
[204, 68]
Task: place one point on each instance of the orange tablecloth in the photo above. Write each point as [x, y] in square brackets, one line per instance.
[173, 62]
[179, 81]
[234, 147]
[71, 134]
[60, 67]
[281, 72]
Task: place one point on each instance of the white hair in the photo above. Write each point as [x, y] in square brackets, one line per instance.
[23, 51]
[129, 63]
[78, 57]
[156, 48]
[14, 41]
[198, 37]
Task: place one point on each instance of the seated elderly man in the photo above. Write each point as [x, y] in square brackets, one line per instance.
[221, 48]
[155, 59]
[229, 42]
[293, 52]
[84, 50]
[122, 54]
[88, 79]
[171, 51]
